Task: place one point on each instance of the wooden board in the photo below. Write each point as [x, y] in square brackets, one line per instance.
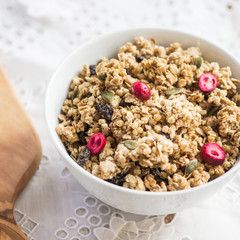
[20, 155]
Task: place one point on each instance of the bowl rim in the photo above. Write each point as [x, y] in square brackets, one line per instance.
[61, 149]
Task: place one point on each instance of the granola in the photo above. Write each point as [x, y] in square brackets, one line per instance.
[166, 131]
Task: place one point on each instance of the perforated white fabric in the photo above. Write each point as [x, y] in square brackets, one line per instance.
[35, 35]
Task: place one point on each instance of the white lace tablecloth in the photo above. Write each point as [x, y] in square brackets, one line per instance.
[35, 35]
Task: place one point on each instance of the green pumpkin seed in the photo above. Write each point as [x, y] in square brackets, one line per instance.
[130, 144]
[102, 76]
[213, 110]
[108, 96]
[192, 165]
[198, 62]
[74, 93]
[173, 91]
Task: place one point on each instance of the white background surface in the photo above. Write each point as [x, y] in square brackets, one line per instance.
[35, 35]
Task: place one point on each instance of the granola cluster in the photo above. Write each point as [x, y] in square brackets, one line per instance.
[150, 144]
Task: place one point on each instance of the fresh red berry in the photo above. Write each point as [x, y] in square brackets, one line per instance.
[212, 153]
[208, 82]
[141, 91]
[96, 143]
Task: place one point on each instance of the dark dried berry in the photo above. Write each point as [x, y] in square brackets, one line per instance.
[205, 96]
[139, 58]
[125, 104]
[84, 156]
[82, 139]
[105, 111]
[92, 69]
[165, 180]
[166, 135]
[128, 72]
[154, 172]
[117, 180]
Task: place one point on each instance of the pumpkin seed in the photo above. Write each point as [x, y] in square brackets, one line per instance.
[107, 96]
[213, 110]
[198, 62]
[130, 144]
[173, 91]
[192, 165]
[102, 76]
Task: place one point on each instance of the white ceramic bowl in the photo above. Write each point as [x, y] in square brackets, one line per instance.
[138, 202]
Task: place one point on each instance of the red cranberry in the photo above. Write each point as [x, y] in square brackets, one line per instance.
[212, 153]
[141, 91]
[208, 82]
[96, 143]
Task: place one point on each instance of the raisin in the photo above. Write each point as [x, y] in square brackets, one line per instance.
[92, 69]
[139, 58]
[166, 135]
[84, 156]
[125, 104]
[128, 72]
[205, 96]
[87, 127]
[165, 181]
[105, 111]
[117, 180]
[82, 139]
[154, 172]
